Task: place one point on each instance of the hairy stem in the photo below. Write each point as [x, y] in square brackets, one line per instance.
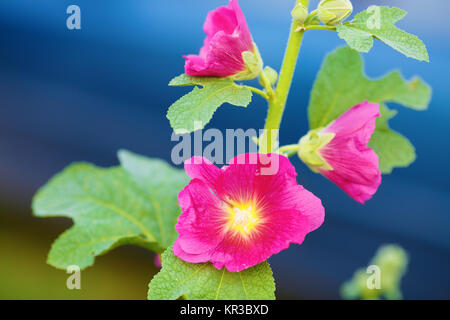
[277, 103]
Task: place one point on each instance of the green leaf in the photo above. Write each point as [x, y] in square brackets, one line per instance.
[393, 149]
[187, 80]
[161, 184]
[194, 110]
[202, 281]
[110, 208]
[379, 22]
[342, 84]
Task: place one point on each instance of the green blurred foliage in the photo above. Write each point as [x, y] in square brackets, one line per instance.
[122, 274]
[392, 261]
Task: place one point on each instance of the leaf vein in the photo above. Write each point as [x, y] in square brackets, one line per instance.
[122, 213]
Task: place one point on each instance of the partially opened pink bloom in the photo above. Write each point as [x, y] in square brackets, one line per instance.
[228, 41]
[340, 152]
[240, 215]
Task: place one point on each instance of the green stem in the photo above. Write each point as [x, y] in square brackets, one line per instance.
[321, 28]
[258, 91]
[289, 150]
[277, 103]
[291, 147]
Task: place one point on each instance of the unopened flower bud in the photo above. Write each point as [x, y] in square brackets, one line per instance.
[271, 75]
[300, 13]
[333, 12]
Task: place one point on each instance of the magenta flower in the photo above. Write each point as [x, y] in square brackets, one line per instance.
[240, 215]
[228, 49]
[341, 154]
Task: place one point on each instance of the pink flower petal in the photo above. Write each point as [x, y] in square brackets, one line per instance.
[358, 121]
[188, 257]
[202, 169]
[242, 26]
[222, 19]
[355, 165]
[202, 220]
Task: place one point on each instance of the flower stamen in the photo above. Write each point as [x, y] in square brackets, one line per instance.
[243, 219]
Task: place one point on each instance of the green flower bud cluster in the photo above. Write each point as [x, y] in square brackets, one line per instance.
[392, 261]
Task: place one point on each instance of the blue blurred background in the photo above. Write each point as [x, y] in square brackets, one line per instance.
[67, 96]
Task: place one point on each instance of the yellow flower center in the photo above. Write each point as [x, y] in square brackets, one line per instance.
[243, 218]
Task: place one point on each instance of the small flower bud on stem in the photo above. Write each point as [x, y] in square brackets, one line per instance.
[333, 12]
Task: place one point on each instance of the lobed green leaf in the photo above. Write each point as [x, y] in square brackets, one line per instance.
[379, 22]
[393, 149]
[111, 207]
[194, 110]
[202, 281]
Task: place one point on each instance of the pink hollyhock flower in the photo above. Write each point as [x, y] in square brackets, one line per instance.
[240, 215]
[228, 49]
[341, 154]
